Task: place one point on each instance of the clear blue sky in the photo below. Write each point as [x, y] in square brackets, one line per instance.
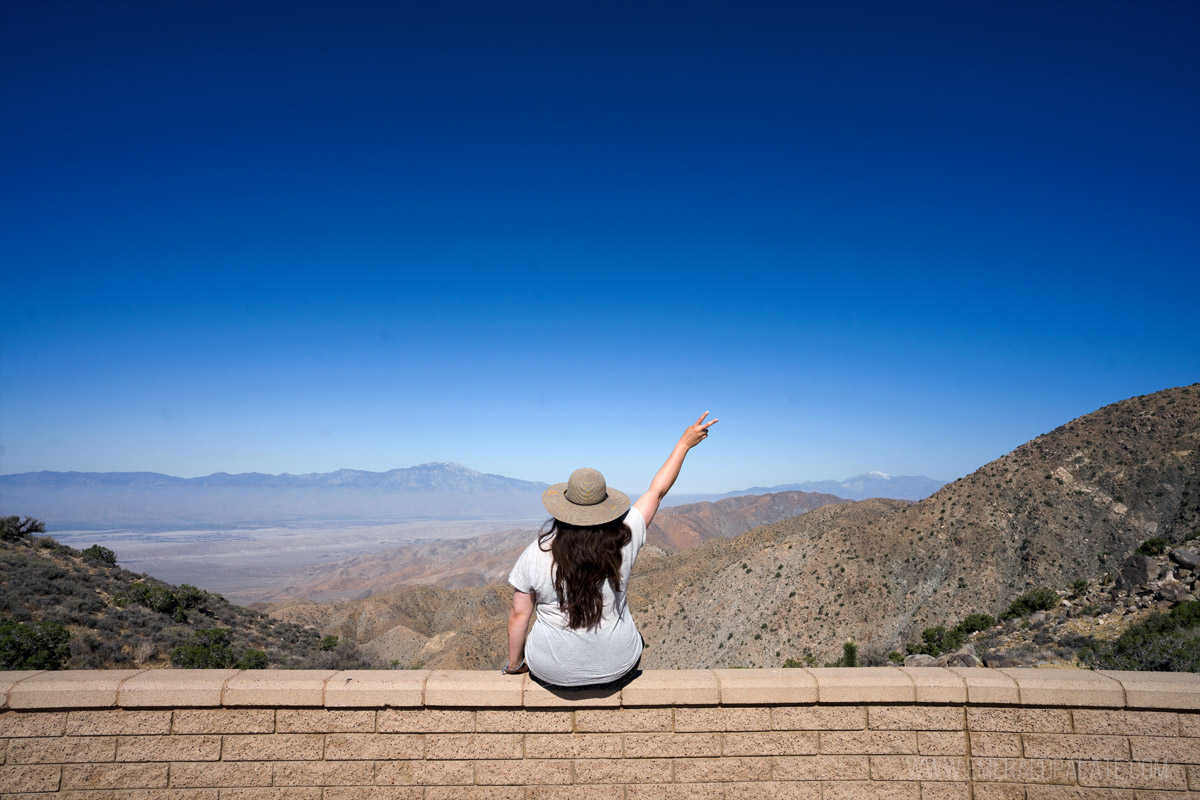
[299, 236]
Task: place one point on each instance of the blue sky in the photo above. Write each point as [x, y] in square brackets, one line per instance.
[294, 237]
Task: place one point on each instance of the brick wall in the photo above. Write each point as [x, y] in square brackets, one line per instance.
[903, 733]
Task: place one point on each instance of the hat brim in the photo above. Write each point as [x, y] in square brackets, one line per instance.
[611, 507]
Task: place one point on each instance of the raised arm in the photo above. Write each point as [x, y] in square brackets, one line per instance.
[696, 433]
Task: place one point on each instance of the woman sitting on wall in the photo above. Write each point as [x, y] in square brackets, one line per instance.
[577, 575]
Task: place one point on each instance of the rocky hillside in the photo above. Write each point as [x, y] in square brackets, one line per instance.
[61, 607]
[487, 559]
[1069, 505]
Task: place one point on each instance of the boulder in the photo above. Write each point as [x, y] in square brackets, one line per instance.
[1136, 572]
[964, 656]
[1173, 591]
[995, 660]
[918, 660]
[1037, 618]
[1185, 558]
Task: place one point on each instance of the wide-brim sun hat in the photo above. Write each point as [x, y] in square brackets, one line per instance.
[585, 499]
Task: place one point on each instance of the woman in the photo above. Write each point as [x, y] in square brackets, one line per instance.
[577, 573]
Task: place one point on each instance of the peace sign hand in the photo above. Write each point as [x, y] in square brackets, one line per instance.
[697, 432]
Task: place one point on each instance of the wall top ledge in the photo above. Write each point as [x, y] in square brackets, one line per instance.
[172, 688]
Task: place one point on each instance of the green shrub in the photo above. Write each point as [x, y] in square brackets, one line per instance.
[849, 655]
[253, 659]
[792, 663]
[1079, 586]
[1040, 599]
[14, 528]
[975, 622]
[209, 649]
[1154, 546]
[38, 645]
[100, 556]
[1160, 643]
[896, 657]
[328, 643]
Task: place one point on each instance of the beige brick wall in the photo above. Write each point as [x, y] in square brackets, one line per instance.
[820, 734]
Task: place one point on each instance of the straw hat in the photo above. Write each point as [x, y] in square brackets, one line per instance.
[585, 499]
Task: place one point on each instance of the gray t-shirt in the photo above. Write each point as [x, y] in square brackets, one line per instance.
[566, 657]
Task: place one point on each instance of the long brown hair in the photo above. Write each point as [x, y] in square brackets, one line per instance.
[584, 559]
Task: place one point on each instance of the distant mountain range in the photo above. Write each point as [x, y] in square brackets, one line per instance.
[858, 487]
[445, 490]
[89, 500]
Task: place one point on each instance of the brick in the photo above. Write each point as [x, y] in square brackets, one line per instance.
[538, 696]
[1022, 770]
[1189, 725]
[1193, 778]
[714, 770]
[945, 791]
[672, 687]
[523, 772]
[373, 746]
[935, 685]
[319, 720]
[869, 790]
[11, 678]
[476, 793]
[592, 792]
[529, 721]
[93, 688]
[425, 720]
[774, 790]
[1066, 687]
[1047, 792]
[872, 742]
[998, 791]
[472, 688]
[769, 743]
[762, 687]
[1162, 748]
[1019, 720]
[424, 773]
[1168, 690]
[1116, 722]
[62, 750]
[996, 745]
[863, 685]
[626, 770]
[818, 718]
[373, 793]
[942, 743]
[277, 687]
[219, 774]
[622, 720]
[813, 768]
[576, 745]
[376, 689]
[135, 794]
[722, 719]
[174, 688]
[988, 685]
[114, 776]
[915, 718]
[918, 768]
[224, 720]
[667, 745]
[291, 793]
[448, 746]
[276, 747]
[1066, 746]
[169, 748]
[29, 778]
[692, 791]
[18, 724]
[118, 722]
[324, 773]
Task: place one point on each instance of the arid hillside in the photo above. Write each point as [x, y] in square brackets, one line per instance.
[1069, 504]
[487, 559]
